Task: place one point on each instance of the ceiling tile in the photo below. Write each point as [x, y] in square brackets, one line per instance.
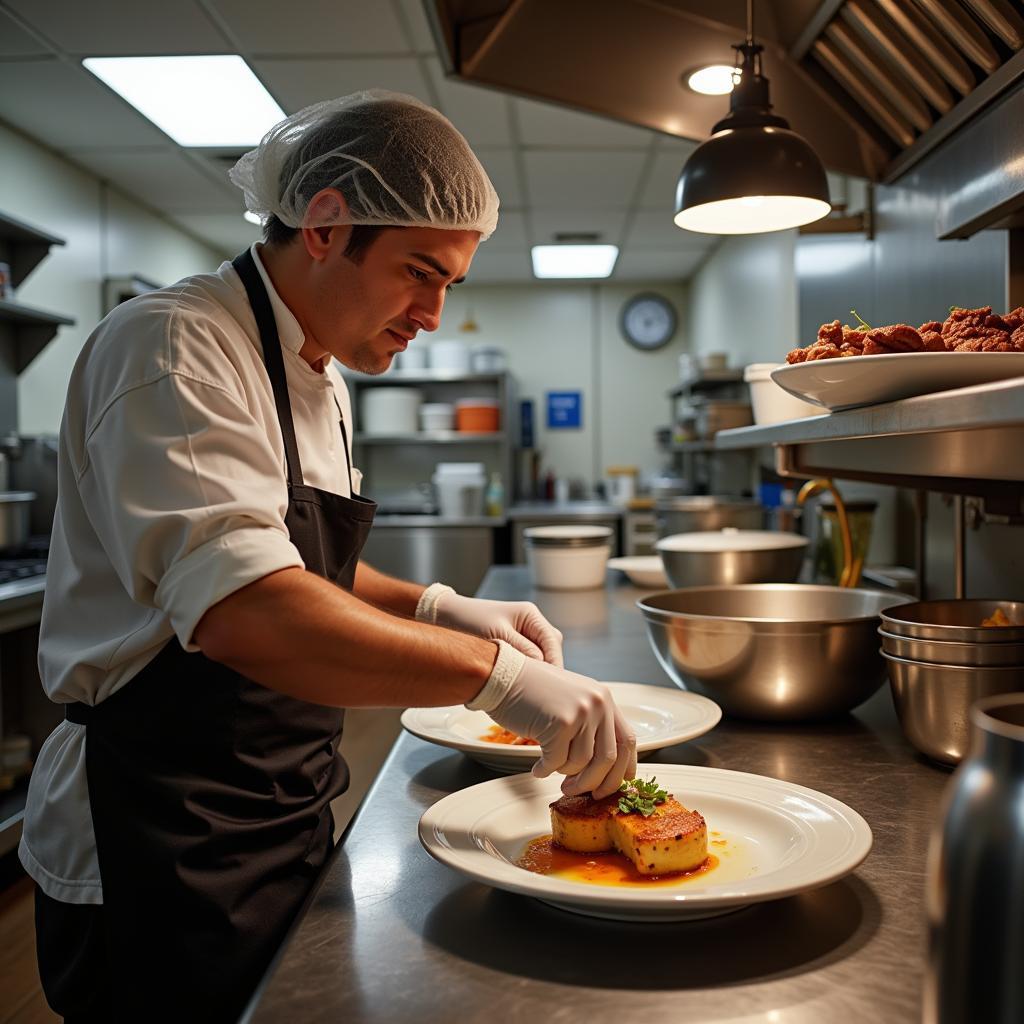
[492, 266]
[582, 180]
[16, 42]
[652, 265]
[654, 229]
[313, 26]
[542, 124]
[607, 223]
[226, 232]
[510, 232]
[298, 83]
[415, 16]
[123, 27]
[64, 106]
[660, 189]
[480, 114]
[500, 166]
[166, 179]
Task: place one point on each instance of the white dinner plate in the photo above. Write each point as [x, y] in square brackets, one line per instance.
[780, 839]
[844, 383]
[642, 570]
[660, 717]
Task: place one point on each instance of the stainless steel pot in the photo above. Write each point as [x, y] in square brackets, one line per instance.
[721, 558]
[705, 512]
[933, 701]
[15, 509]
[957, 621]
[941, 652]
[771, 651]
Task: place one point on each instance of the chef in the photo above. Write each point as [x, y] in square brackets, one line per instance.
[207, 615]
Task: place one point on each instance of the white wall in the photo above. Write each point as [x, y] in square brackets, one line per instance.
[106, 233]
[564, 338]
[743, 300]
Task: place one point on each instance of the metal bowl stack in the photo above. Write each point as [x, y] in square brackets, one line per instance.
[942, 659]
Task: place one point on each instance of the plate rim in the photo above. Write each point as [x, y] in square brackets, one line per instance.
[657, 902]
[532, 753]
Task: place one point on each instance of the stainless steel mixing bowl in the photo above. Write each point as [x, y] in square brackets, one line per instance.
[942, 652]
[933, 702]
[771, 651]
[713, 558]
[706, 512]
[957, 621]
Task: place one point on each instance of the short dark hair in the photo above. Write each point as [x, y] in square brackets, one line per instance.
[275, 232]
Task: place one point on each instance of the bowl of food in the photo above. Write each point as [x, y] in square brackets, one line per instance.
[771, 651]
[721, 557]
[976, 621]
[933, 701]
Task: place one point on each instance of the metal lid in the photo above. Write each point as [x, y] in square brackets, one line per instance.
[567, 536]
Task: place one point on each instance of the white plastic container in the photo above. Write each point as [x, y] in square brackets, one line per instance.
[487, 359]
[568, 557]
[437, 416]
[451, 356]
[391, 410]
[460, 488]
[771, 403]
[413, 358]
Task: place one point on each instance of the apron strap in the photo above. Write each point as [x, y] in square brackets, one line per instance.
[245, 266]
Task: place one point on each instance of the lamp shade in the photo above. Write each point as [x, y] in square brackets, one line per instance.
[750, 179]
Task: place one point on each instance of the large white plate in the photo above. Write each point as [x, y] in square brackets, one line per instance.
[642, 570]
[844, 383]
[660, 717]
[781, 839]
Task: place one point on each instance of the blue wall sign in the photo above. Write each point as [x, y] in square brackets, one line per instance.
[565, 409]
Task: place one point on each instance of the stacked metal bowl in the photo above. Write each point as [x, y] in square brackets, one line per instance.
[942, 659]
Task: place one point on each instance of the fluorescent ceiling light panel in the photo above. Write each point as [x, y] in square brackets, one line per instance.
[714, 80]
[198, 101]
[574, 260]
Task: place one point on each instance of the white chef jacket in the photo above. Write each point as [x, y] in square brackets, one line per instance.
[172, 493]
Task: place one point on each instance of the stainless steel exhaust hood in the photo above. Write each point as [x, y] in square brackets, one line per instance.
[872, 85]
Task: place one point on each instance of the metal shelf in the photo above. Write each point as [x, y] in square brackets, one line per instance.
[967, 441]
[707, 380]
[24, 246]
[30, 330]
[433, 437]
[422, 377]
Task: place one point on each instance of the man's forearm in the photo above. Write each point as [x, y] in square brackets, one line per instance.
[388, 592]
[297, 633]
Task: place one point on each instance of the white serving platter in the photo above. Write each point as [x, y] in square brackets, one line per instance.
[642, 570]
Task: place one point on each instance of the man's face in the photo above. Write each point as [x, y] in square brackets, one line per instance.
[366, 312]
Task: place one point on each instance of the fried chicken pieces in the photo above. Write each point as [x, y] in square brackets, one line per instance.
[964, 330]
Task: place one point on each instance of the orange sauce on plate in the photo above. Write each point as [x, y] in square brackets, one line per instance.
[496, 734]
[543, 857]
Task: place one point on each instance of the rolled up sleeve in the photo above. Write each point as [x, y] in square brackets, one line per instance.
[187, 495]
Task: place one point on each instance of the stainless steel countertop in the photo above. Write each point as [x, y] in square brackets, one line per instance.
[21, 602]
[392, 936]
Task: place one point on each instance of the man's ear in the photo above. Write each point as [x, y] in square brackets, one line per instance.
[322, 221]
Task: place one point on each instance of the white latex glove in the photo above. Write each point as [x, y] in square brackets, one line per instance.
[518, 623]
[581, 732]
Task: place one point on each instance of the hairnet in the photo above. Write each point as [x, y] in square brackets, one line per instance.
[396, 161]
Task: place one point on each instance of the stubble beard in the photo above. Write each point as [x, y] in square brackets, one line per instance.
[366, 360]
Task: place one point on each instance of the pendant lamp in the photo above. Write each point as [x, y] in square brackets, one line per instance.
[754, 174]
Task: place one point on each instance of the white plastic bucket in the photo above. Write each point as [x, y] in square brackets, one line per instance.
[771, 403]
[391, 410]
[437, 416]
[460, 488]
[451, 356]
[568, 557]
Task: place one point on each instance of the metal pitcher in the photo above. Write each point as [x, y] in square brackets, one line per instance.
[975, 886]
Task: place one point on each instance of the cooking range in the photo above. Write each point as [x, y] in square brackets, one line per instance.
[23, 564]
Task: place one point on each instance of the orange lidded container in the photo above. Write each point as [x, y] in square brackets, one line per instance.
[478, 415]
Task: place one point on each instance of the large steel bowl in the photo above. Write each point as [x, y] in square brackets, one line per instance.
[942, 652]
[957, 621]
[713, 558]
[933, 702]
[771, 651]
[705, 512]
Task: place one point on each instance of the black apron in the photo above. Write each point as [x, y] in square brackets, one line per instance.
[210, 793]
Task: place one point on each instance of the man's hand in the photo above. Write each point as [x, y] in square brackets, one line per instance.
[582, 734]
[518, 623]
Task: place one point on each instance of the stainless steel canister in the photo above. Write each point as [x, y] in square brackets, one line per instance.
[14, 518]
[975, 895]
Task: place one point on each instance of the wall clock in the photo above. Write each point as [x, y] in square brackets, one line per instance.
[648, 321]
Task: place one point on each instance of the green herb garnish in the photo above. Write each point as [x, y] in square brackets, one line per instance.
[640, 796]
[864, 326]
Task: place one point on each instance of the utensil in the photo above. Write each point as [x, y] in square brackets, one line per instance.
[781, 838]
[718, 558]
[933, 701]
[957, 621]
[705, 512]
[659, 716]
[771, 403]
[944, 652]
[771, 651]
[974, 896]
[15, 511]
